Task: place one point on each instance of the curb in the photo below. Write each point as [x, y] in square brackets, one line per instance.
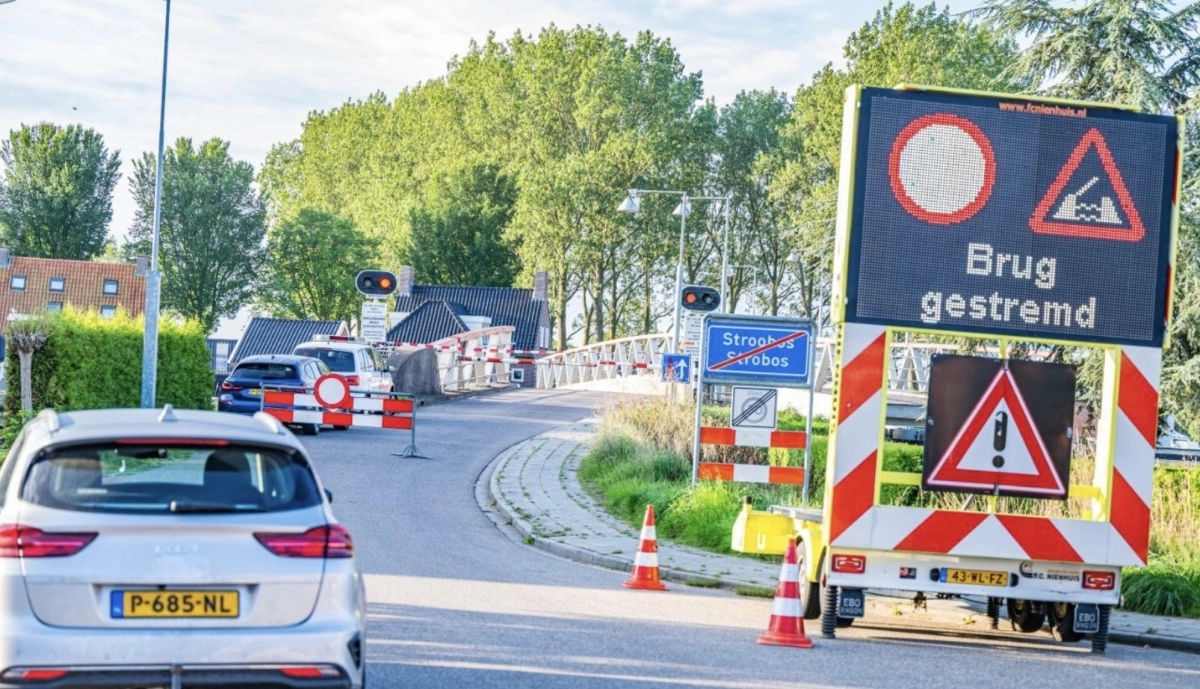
[576, 554]
[525, 529]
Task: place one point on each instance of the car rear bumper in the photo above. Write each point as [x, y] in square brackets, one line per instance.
[109, 677]
[333, 636]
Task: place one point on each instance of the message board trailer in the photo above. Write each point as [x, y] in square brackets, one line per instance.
[1005, 219]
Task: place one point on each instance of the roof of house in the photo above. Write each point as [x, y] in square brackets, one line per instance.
[432, 321]
[504, 305]
[280, 335]
[83, 286]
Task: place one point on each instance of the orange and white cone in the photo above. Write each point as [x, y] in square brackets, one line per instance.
[787, 626]
[645, 563]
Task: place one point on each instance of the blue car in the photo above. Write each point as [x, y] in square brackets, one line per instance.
[241, 392]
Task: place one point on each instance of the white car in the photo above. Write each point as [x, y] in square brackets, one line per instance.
[162, 548]
[355, 358]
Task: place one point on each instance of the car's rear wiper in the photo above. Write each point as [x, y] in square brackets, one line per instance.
[208, 507]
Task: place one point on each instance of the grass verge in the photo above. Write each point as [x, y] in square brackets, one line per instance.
[641, 458]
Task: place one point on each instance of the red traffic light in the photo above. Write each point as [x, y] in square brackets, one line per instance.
[699, 298]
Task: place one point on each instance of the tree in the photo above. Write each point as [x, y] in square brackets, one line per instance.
[747, 134]
[27, 337]
[312, 259]
[457, 234]
[1135, 52]
[211, 232]
[56, 196]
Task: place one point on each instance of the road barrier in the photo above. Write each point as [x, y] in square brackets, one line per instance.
[331, 403]
[752, 473]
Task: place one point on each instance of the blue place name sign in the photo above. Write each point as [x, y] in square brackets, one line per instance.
[760, 350]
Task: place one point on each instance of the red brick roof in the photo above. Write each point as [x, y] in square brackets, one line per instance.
[83, 286]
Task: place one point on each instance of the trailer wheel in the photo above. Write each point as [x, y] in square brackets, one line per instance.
[1062, 622]
[810, 591]
[1026, 616]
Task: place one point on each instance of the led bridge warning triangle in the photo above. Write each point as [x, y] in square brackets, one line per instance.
[1088, 198]
[983, 436]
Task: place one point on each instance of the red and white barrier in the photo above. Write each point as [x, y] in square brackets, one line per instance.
[753, 437]
[331, 404]
[751, 473]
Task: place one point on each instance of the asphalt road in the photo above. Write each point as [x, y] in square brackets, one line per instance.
[456, 602]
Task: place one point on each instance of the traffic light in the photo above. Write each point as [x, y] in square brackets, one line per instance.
[376, 283]
[699, 298]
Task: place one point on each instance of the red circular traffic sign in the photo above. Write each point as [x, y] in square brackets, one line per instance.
[942, 168]
[332, 391]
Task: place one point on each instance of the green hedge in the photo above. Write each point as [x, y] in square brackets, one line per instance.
[89, 362]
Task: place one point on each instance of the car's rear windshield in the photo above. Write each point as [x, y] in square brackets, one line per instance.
[336, 359]
[263, 371]
[150, 476]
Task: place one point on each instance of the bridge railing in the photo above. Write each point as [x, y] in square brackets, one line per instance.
[476, 358]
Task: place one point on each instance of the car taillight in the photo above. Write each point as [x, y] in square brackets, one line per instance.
[227, 386]
[17, 540]
[352, 380]
[310, 672]
[35, 674]
[1100, 581]
[322, 541]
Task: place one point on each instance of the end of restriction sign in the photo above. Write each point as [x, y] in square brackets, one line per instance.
[758, 350]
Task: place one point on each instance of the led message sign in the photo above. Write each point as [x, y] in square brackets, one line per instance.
[1000, 216]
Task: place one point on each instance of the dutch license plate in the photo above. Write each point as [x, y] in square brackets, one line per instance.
[255, 392]
[980, 577]
[127, 604]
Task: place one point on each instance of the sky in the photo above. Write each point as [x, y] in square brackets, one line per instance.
[249, 71]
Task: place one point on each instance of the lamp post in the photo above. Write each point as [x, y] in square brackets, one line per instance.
[154, 277]
[633, 204]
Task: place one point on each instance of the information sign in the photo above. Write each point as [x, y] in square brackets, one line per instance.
[985, 214]
[758, 350]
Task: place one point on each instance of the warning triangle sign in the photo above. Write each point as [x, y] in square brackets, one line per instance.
[999, 446]
[1088, 198]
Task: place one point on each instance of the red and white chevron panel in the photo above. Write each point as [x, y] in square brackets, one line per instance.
[364, 404]
[330, 418]
[752, 437]
[751, 473]
[856, 522]
[855, 436]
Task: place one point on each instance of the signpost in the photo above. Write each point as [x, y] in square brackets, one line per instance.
[373, 321]
[761, 351]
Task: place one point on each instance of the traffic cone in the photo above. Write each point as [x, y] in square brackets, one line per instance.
[787, 626]
[645, 563]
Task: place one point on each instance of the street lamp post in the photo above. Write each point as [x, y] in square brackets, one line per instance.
[633, 204]
[154, 277]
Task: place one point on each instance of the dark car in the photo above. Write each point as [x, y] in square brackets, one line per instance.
[241, 392]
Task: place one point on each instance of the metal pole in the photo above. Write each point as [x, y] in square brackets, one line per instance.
[154, 277]
[683, 207]
[699, 373]
[725, 260]
[808, 423]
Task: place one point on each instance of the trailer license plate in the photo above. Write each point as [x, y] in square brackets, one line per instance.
[980, 577]
[126, 604]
